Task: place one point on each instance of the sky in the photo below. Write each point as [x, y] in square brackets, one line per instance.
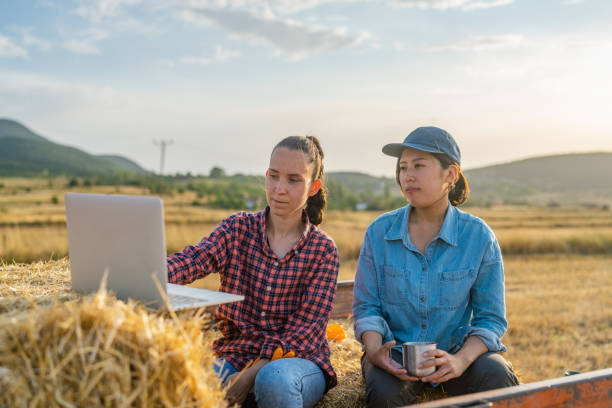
[223, 81]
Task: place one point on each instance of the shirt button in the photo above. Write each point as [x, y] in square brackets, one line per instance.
[275, 263]
[424, 269]
[263, 314]
[422, 299]
[424, 327]
[268, 287]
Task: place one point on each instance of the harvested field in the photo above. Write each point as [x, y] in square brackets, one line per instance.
[556, 304]
[32, 224]
[558, 266]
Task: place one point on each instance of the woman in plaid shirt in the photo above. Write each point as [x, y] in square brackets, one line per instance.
[286, 268]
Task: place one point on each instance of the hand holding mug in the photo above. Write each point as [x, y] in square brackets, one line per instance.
[381, 358]
[449, 366]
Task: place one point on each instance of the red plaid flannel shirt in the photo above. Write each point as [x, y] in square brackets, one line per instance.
[288, 301]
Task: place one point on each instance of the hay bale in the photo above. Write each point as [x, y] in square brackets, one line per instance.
[23, 286]
[346, 360]
[99, 351]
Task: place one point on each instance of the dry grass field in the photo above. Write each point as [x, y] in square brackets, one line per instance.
[558, 266]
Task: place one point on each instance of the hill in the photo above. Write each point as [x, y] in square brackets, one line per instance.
[576, 178]
[24, 153]
[359, 182]
[573, 179]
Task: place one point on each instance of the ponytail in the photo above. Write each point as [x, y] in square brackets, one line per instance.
[459, 190]
[311, 147]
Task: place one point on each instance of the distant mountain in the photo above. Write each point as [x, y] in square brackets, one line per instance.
[577, 178]
[11, 129]
[355, 181]
[565, 178]
[23, 152]
[121, 161]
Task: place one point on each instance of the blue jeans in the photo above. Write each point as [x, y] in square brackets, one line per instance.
[288, 382]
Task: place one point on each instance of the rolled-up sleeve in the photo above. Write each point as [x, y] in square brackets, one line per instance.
[196, 261]
[488, 301]
[366, 298]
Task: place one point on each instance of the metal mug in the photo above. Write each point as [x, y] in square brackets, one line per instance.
[412, 356]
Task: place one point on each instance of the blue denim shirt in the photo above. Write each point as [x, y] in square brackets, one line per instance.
[454, 291]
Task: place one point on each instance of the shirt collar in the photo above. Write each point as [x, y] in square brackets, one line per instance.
[448, 232]
[300, 243]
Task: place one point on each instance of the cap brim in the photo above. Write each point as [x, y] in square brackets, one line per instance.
[396, 149]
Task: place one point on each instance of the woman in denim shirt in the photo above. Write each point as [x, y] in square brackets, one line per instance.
[430, 272]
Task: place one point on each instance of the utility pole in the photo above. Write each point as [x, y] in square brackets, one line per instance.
[162, 144]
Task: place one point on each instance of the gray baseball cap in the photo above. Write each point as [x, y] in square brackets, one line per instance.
[428, 139]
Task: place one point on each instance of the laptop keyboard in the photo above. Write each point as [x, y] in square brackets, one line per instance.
[181, 301]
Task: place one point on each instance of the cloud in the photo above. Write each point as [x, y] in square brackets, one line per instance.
[448, 4]
[85, 42]
[262, 6]
[81, 43]
[286, 37]
[30, 40]
[46, 3]
[80, 47]
[474, 5]
[8, 49]
[257, 22]
[483, 43]
[221, 55]
[293, 6]
[94, 34]
[98, 10]
[133, 25]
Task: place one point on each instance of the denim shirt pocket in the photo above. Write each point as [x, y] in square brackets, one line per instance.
[394, 285]
[455, 288]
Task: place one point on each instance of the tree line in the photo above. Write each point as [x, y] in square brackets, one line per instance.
[238, 191]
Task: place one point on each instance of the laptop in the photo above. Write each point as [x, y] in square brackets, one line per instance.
[123, 236]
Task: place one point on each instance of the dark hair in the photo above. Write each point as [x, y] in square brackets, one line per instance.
[459, 191]
[311, 147]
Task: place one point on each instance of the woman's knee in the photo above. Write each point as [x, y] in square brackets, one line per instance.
[494, 372]
[391, 394]
[271, 376]
[279, 383]
[386, 390]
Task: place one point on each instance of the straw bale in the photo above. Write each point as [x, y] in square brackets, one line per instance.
[99, 351]
[346, 360]
[24, 285]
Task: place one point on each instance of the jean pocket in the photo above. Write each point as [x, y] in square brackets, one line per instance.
[455, 288]
[394, 285]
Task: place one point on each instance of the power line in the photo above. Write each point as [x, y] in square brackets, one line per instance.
[162, 144]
